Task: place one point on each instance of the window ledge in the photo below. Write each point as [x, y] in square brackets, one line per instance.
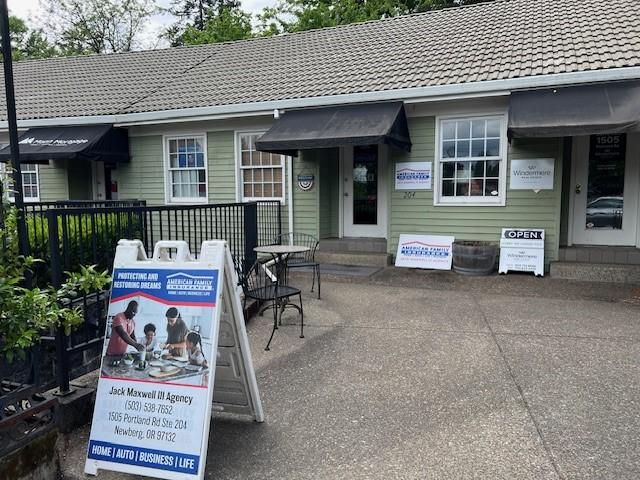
[499, 203]
[186, 201]
[263, 199]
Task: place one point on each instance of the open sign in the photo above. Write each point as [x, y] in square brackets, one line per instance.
[524, 234]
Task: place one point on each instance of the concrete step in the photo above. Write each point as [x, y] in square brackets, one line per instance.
[597, 254]
[596, 272]
[351, 258]
[355, 245]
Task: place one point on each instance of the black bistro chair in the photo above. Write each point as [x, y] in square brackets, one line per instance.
[304, 259]
[259, 284]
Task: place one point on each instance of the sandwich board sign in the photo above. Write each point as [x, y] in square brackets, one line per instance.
[522, 250]
[176, 348]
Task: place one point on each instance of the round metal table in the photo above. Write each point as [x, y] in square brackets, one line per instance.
[279, 253]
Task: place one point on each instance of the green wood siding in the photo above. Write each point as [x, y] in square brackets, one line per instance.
[306, 204]
[524, 208]
[222, 167]
[143, 176]
[316, 211]
[53, 182]
[329, 193]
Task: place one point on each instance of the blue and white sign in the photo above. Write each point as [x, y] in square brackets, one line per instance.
[413, 176]
[424, 251]
[155, 391]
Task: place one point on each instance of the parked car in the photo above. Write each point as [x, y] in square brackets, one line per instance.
[605, 212]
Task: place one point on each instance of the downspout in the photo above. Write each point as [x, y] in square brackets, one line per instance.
[290, 191]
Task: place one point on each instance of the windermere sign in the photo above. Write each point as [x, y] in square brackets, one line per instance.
[534, 174]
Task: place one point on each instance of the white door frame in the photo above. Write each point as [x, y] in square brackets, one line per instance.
[630, 233]
[373, 231]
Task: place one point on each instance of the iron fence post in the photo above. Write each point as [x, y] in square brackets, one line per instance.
[62, 367]
[279, 219]
[10, 101]
[250, 234]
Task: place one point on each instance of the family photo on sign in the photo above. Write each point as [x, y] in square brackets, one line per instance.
[148, 341]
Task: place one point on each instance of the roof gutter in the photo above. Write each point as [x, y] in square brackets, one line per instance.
[410, 95]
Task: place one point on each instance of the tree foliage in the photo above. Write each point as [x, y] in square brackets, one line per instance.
[208, 21]
[28, 43]
[25, 313]
[97, 26]
[299, 15]
[225, 26]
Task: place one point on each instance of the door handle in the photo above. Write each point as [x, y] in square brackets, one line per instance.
[346, 194]
[578, 188]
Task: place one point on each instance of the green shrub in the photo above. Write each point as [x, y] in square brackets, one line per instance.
[83, 238]
[26, 312]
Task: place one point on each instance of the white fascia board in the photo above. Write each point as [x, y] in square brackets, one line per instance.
[432, 93]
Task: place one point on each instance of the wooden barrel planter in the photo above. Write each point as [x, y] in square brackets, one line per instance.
[474, 258]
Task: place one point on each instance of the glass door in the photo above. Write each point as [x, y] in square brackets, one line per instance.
[606, 189]
[363, 192]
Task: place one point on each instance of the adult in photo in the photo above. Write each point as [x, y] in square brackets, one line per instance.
[176, 333]
[123, 332]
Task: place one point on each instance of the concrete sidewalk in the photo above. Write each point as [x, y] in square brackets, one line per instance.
[536, 380]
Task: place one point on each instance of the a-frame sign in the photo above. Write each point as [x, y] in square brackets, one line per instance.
[176, 348]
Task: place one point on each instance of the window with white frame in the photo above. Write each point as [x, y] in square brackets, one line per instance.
[30, 182]
[186, 169]
[261, 173]
[471, 157]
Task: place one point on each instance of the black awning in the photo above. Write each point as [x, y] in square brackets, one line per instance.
[578, 110]
[327, 127]
[82, 142]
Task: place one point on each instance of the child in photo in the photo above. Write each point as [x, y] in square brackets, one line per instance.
[150, 341]
[194, 349]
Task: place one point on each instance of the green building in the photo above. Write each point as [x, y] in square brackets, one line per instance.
[514, 113]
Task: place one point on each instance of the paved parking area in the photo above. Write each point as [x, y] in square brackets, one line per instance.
[510, 378]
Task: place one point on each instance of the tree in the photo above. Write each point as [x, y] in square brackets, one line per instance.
[27, 43]
[229, 24]
[299, 15]
[208, 21]
[97, 26]
[196, 13]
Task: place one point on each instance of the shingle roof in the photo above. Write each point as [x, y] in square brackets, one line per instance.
[504, 39]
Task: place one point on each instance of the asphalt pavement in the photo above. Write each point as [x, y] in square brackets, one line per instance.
[413, 375]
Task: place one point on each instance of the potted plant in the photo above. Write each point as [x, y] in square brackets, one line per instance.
[471, 257]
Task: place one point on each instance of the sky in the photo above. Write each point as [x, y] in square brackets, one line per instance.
[30, 11]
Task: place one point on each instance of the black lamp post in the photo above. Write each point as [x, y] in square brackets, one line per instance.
[5, 39]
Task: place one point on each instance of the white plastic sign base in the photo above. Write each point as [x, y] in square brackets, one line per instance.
[152, 411]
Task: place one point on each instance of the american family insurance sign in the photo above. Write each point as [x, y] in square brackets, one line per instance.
[424, 251]
[413, 176]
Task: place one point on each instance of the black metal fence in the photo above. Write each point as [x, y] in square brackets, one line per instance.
[88, 236]
[36, 220]
[67, 235]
